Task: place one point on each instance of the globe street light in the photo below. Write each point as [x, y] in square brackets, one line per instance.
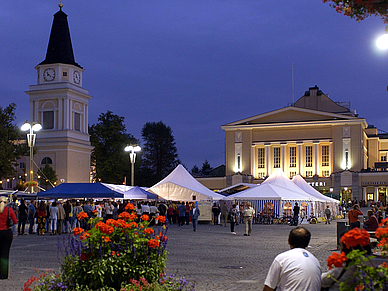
[132, 155]
[382, 41]
[31, 126]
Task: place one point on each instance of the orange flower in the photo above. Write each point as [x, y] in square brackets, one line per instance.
[106, 239]
[144, 217]
[336, 260]
[148, 231]
[130, 206]
[355, 237]
[112, 222]
[84, 236]
[161, 218]
[153, 243]
[124, 215]
[78, 230]
[132, 225]
[104, 228]
[113, 253]
[132, 216]
[384, 265]
[82, 215]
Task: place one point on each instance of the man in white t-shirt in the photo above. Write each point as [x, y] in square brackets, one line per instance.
[296, 269]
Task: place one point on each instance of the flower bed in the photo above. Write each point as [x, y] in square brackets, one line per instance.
[119, 254]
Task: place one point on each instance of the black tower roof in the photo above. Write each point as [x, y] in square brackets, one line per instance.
[59, 48]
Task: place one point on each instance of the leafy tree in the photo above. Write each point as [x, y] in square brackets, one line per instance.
[159, 152]
[195, 170]
[47, 176]
[205, 170]
[109, 137]
[11, 146]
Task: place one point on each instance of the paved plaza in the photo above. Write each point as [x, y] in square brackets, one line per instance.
[212, 257]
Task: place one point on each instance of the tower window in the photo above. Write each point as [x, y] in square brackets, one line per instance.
[77, 121]
[46, 160]
[48, 119]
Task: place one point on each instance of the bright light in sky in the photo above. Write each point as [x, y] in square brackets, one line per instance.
[382, 42]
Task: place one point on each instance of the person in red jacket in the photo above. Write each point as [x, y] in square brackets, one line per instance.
[371, 224]
[6, 236]
[353, 216]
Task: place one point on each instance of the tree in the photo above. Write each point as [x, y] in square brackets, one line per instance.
[361, 9]
[109, 138]
[195, 170]
[205, 170]
[12, 147]
[159, 152]
[47, 176]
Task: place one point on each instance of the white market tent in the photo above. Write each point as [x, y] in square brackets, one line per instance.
[333, 203]
[279, 193]
[180, 185]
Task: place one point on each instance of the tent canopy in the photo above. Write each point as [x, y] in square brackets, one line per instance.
[80, 190]
[139, 193]
[181, 185]
[302, 184]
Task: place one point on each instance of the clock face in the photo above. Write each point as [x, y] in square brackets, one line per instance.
[49, 74]
[77, 77]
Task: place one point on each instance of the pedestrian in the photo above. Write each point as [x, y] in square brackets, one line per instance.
[233, 215]
[66, 221]
[353, 216]
[295, 269]
[170, 213]
[115, 212]
[187, 213]
[296, 214]
[216, 212]
[23, 211]
[6, 236]
[31, 216]
[53, 218]
[224, 214]
[41, 218]
[328, 214]
[61, 216]
[195, 213]
[182, 214]
[15, 209]
[371, 224]
[248, 213]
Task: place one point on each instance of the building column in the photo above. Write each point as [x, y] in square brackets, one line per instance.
[376, 194]
[60, 113]
[253, 162]
[299, 155]
[283, 158]
[267, 159]
[364, 196]
[316, 158]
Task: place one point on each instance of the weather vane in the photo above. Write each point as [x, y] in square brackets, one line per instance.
[60, 4]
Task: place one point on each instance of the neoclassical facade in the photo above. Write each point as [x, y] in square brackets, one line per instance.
[323, 141]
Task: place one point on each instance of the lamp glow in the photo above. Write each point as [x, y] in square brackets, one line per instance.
[382, 42]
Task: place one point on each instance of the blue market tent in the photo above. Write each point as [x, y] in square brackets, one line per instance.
[80, 190]
[139, 193]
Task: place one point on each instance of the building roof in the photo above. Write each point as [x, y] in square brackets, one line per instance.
[59, 48]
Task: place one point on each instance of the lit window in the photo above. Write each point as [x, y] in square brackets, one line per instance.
[276, 157]
[292, 174]
[261, 158]
[309, 156]
[260, 175]
[292, 157]
[325, 156]
[309, 173]
[325, 173]
[383, 158]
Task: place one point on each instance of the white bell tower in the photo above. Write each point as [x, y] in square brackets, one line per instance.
[60, 104]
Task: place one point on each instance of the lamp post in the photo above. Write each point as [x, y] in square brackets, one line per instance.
[382, 41]
[132, 149]
[31, 126]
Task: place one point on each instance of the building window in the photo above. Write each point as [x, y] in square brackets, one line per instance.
[261, 158]
[309, 173]
[261, 175]
[48, 119]
[325, 156]
[325, 173]
[64, 74]
[77, 121]
[276, 157]
[22, 165]
[292, 174]
[383, 158]
[292, 157]
[309, 156]
[46, 160]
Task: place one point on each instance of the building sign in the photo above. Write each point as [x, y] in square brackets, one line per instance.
[317, 184]
[373, 183]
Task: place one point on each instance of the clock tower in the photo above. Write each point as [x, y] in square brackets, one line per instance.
[60, 104]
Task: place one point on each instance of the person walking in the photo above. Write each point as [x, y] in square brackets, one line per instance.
[296, 214]
[41, 218]
[6, 236]
[15, 209]
[328, 214]
[297, 268]
[53, 218]
[195, 213]
[61, 216]
[233, 215]
[224, 213]
[353, 216]
[182, 214]
[216, 213]
[23, 211]
[248, 213]
[31, 216]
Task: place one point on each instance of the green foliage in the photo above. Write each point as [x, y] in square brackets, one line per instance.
[160, 155]
[109, 138]
[11, 145]
[205, 170]
[47, 175]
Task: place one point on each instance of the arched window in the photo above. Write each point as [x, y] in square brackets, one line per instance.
[46, 160]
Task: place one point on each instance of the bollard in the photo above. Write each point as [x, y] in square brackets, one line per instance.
[342, 226]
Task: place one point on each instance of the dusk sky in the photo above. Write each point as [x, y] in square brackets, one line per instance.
[196, 65]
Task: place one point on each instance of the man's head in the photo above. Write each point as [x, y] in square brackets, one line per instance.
[296, 203]
[299, 237]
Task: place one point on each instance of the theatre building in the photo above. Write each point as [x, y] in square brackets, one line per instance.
[324, 141]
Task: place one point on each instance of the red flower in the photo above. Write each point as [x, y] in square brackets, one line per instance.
[144, 217]
[161, 218]
[355, 237]
[336, 260]
[153, 243]
[82, 215]
[148, 231]
[130, 206]
[78, 230]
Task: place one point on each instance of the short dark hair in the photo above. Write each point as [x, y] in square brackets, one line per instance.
[299, 237]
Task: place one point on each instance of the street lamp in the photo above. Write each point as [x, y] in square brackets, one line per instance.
[382, 41]
[31, 126]
[132, 149]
